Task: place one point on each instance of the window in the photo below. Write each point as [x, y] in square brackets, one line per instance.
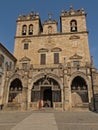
[30, 29]
[24, 29]
[26, 46]
[73, 26]
[76, 63]
[6, 65]
[43, 59]
[10, 65]
[56, 58]
[1, 60]
[24, 65]
[49, 29]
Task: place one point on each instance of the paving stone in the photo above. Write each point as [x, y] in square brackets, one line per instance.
[48, 120]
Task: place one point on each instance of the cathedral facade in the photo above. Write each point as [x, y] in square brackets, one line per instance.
[54, 68]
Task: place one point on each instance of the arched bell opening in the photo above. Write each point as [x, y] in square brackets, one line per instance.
[79, 92]
[15, 91]
[47, 90]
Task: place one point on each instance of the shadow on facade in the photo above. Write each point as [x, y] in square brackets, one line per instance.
[93, 106]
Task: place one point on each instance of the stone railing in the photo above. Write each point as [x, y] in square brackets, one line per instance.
[58, 105]
[34, 105]
[36, 66]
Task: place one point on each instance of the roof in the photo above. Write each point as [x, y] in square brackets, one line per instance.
[8, 53]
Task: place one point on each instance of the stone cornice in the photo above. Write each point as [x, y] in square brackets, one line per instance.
[55, 34]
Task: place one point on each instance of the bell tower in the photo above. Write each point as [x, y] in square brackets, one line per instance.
[73, 26]
[27, 27]
[73, 21]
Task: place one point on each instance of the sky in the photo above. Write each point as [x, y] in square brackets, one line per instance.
[11, 9]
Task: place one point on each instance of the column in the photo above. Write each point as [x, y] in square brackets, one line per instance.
[24, 105]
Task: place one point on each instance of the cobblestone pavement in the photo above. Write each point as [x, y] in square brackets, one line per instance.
[48, 120]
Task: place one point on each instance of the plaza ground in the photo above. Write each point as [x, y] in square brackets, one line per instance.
[48, 120]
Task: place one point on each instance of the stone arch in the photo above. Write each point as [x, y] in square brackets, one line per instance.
[46, 88]
[13, 77]
[8, 83]
[31, 29]
[55, 77]
[73, 25]
[15, 91]
[24, 29]
[49, 29]
[81, 74]
[79, 90]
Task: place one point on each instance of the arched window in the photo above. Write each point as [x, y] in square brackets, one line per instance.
[73, 26]
[24, 29]
[30, 29]
[49, 30]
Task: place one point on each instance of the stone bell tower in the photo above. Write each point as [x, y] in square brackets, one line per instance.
[27, 27]
[73, 25]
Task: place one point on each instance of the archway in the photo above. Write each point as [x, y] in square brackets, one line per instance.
[15, 91]
[46, 89]
[79, 92]
[47, 97]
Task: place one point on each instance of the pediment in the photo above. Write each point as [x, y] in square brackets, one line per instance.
[56, 49]
[46, 82]
[76, 56]
[74, 37]
[25, 59]
[43, 50]
[26, 40]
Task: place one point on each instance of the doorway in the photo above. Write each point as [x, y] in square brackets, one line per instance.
[47, 97]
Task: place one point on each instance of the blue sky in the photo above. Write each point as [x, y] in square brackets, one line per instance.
[11, 9]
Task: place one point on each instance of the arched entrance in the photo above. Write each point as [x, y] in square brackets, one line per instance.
[47, 90]
[79, 92]
[47, 97]
[15, 91]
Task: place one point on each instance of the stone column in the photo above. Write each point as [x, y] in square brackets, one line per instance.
[5, 93]
[66, 99]
[24, 105]
[66, 92]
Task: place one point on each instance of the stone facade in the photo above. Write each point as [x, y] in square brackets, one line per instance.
[54, 68]
[7, 63]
